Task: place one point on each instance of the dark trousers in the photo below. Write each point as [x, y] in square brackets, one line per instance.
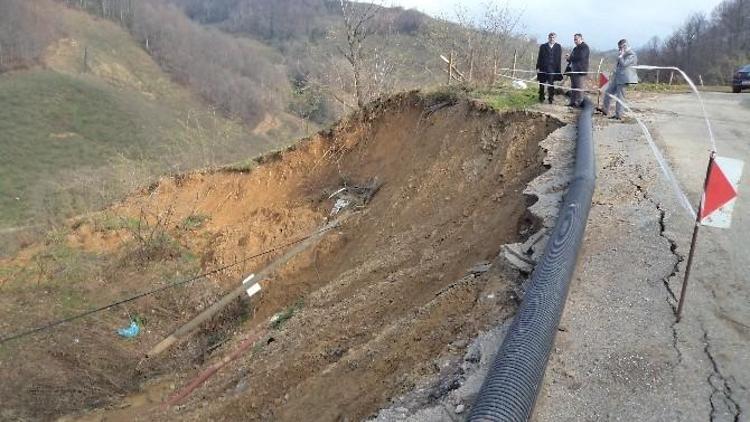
[576, 82]
[550, 90]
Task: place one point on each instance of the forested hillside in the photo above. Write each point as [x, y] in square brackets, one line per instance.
[26, 28]
[711, 47]
[87, 116]
[400, 49]
[99, 96]
[241, 77]
[252, 57]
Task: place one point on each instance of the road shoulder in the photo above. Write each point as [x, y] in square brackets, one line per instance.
[618, 355]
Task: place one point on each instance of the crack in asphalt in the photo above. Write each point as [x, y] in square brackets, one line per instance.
[723, 390]
[673, 249]
[671, 298]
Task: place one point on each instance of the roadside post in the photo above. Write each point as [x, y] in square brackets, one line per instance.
[603, 80]
[453, 72]
[599, 76]
[716, 206]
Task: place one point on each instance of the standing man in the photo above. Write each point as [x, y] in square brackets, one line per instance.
[624, 75]
[548, 67]
[578, 63]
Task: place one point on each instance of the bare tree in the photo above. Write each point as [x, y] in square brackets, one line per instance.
[480, 44]
[710, 47]
[356, 18]
[26, 28]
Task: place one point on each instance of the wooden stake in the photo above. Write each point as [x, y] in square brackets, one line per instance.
[85, 59]
[671, 77]
[457, 75]
[450, 68]
[471, 64]
[494, 72]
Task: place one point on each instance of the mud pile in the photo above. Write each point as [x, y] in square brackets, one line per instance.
[381, 299]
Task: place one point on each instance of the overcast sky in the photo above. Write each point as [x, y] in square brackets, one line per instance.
[601, 22]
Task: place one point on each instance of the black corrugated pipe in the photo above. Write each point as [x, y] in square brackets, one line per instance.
[516, 375]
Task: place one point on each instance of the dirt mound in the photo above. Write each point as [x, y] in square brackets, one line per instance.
[379, 300]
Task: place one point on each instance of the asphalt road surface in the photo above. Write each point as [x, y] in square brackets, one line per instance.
[619, 354]
[719, 293]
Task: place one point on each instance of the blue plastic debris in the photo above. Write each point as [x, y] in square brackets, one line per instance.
[130, 332]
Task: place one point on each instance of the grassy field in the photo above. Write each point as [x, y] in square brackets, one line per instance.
[505, 97]
[75, 137]
[679, 88]
[52, 123]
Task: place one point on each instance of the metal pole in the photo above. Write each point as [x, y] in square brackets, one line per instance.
[598, 76]
[185, 330]
[687, 271]
[692, 243]
[515, 58]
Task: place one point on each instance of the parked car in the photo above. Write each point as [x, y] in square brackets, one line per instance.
[741, 79]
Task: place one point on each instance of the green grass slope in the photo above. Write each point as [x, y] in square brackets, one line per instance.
[75, 136]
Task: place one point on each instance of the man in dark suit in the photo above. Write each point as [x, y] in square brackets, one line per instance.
[578, 65]
[548, 67]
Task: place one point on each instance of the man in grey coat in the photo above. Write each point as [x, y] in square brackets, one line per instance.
[623, 76]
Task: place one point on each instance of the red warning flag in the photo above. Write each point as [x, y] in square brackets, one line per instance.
[721, 192]
[602, 80]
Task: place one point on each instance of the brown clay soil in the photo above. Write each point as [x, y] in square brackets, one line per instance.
[375, 304]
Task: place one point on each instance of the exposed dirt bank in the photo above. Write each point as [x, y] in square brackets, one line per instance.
[374, 304]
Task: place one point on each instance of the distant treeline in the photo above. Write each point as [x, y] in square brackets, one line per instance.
[247, 57]
[25, 31]
[310, 34]
[708, 47]
[241, 77]
[291, 19]
[253, 57]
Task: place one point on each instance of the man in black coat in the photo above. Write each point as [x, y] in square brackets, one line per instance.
[548, 67]
[578, 65]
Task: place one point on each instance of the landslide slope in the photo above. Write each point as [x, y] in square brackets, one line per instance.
[360, 318]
